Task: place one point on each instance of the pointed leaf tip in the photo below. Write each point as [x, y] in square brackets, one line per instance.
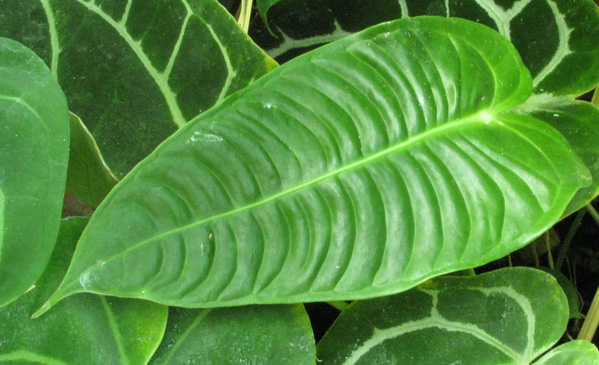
[43, 309]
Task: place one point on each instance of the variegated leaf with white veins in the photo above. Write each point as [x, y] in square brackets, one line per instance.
[551, 35]
[135, 71]
[510, 316]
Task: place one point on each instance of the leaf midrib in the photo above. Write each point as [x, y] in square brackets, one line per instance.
[430, 133]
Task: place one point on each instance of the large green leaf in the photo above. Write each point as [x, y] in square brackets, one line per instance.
[557, 39]
[136, 70]
[510, 316]
[358, 170]
[88, 176]
[579, 123]
[243, 335]
[34, 150]
[86, 329]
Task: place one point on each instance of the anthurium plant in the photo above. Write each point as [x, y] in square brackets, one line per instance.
[241, 161]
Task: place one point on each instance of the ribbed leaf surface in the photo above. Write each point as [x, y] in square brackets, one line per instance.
[358, 170]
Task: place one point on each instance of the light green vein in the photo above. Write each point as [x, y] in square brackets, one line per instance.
[186, 334]
[524, 303]
[503, 18]
[230, 71]
[292, 43]
[115, 330]
[175, 53]
[125, 16]
[53, 37]
[563, 47]
[27, 356]
[457, 125]
[160, 78]
[381, 335]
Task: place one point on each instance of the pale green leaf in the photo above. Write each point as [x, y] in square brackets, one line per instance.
[135, 71]
[86, 329]
[34, 149]
[510, 316]
[358, 170]
[245, 335]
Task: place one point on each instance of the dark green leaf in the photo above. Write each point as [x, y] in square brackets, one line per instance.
[569, 289]
[510, 316]
[87, 329]
[34, 149]
[358, 170]
[136, 70]
[88, 176]
[244, 335]
[556, 38]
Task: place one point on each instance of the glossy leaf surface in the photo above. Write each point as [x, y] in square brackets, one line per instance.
[579, 123]
[355, 171]
[88, 176]
[510, 316]
[243, 335]
[34, 149]
[86, 329]
[557, 39]
[136, 70]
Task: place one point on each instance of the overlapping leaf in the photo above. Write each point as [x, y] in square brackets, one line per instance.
[87, 329]
[556, 38]
[88, 176]
[510, 316]
[358, 170]
[578, 122]
[246, 335]
[136, 70]
[34, 149]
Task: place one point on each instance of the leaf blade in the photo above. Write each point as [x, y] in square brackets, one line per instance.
[260, 162]
[33, 161]
[494, 317]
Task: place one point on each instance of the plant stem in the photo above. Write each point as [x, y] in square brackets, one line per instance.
[549, 254]
[587, 332]
[568, 240]
[339, 304]
[593, 212]
[245, 12]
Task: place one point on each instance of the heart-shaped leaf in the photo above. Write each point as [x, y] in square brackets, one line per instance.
[510, 316]
[136, 70]
[34, 150]
[358, 170]
[247, 335]
[557, 39]
[86, 329]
